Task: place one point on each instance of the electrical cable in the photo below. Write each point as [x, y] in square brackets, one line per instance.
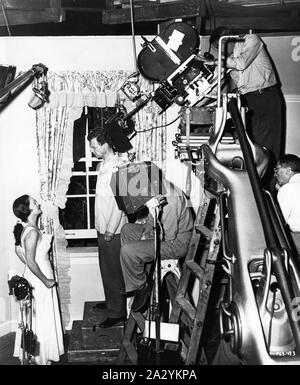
[154, 128]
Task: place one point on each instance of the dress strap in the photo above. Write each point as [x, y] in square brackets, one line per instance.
[26, 230]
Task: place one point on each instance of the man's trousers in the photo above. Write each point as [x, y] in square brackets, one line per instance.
[112, 276]
[135, 253]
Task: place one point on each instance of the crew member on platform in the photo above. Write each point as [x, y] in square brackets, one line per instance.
[254, 77]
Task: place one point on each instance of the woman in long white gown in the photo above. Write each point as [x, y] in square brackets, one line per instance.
[32, 247]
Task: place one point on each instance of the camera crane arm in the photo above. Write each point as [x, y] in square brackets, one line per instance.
[36, 70]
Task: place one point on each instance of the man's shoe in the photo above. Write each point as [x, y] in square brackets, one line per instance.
[141, 297]
[109, 322]
[100, 306]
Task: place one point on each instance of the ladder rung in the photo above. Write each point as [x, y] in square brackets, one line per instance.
[212, 261]
[203, 270]
[203, 230]
[173, 346]
[187, 307]
[195, 269]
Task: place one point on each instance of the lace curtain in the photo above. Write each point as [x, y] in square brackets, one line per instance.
[101, 89]
[70, 92]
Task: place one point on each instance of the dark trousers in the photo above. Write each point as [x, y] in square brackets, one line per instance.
[112, 277]
[135, 253]
[264, 124]
[296, 239]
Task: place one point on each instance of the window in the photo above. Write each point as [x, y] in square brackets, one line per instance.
[77, 218]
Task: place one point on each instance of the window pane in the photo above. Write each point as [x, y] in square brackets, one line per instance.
[74, 215]
[94, 165]
[79, 166]
[92, 212]
[92, 184]
[77, 185]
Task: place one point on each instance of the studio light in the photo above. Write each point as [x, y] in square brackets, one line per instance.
[40, 94]
[131, 88]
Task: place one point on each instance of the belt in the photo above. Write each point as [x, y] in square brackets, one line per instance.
[262, 91]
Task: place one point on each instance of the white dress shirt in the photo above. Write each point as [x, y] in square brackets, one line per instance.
[252, 67]
[289, 201]
[108, 217]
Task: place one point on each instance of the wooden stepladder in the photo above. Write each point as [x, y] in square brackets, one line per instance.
[199, 264]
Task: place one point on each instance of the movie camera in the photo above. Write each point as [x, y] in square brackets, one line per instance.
[19, 287]
[170, 61]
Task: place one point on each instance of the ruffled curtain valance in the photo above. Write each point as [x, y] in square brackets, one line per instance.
[90, 88]
[102, 89]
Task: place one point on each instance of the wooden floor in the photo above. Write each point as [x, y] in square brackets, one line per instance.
[86, 344]
[7, 348]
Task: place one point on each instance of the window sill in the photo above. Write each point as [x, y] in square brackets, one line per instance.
[82, 252]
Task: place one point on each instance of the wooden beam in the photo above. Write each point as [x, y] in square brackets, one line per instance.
[83, 9]
[28, 5]
[145, 3]
[94, 4]
[231, 10]
[153, 12]
[251, 3]
[49, 15]
[260, 23]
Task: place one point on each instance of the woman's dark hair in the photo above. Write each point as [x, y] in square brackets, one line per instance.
[17, 233]
[22, 211]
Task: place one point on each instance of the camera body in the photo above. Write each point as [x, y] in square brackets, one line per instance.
[19, 287]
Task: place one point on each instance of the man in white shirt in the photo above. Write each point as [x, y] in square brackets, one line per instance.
[287, 173]
[108, 223]
[254, 78]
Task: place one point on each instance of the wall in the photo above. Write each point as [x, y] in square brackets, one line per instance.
[285, 52]
[18, 159]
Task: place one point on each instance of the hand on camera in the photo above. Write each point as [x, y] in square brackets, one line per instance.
[209, 59]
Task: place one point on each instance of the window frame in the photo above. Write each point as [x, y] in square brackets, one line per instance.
[88, 159]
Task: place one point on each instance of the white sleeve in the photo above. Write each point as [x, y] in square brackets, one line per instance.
[285, 202]
[250, 48]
